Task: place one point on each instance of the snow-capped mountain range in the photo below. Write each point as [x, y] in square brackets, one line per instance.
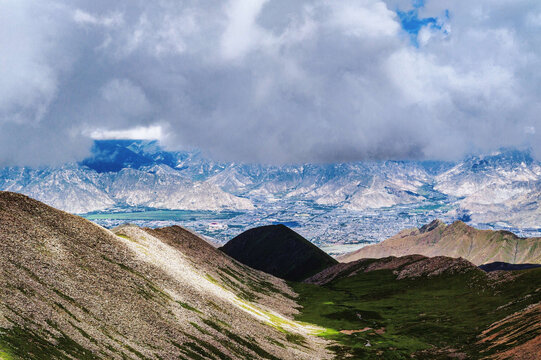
[503, 187]
[498, 188]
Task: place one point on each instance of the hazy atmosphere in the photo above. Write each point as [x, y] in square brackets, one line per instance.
[270, 81]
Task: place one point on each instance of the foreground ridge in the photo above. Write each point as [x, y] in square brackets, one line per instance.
[72, 289]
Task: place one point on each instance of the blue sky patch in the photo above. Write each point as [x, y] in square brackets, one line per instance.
[412, 23]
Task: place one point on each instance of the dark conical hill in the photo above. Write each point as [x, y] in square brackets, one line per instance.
[280, 251]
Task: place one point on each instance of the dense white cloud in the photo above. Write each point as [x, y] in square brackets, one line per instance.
[241, 34]
[153, 132]
[270, 80]
[28, 75]
[124, 99]
[365, 18]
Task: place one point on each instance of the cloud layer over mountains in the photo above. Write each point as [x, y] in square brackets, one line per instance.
[270, 80]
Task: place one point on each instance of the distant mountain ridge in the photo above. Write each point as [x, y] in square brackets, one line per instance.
[278, 250]
[457, 240]
[501, 189]
[503, 266]
[80, 190]
[95, 180]
[404, 267]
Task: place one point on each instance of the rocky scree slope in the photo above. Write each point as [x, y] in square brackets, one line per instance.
[455, 240]
[280, 251]
[73, 290]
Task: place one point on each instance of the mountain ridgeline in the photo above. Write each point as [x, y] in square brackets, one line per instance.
[503, 266]
[361, 303]
[74, 290]
[455, 240]
[280, 251]
[501, 188]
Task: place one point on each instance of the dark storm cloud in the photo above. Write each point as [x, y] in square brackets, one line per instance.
[269, 80]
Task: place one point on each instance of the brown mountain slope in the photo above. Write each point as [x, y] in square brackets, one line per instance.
[455, 240]
[73, 290]
[405, 267]
[247, 283]
[511, 331]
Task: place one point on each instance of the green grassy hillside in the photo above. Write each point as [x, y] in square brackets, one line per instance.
[432, 316]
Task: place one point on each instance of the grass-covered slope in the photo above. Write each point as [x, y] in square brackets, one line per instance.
[439, 308]
[280, 251]
[73, 290]
[455, 240]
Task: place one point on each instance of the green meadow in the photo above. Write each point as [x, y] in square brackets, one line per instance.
[162, 215]
[421, 316]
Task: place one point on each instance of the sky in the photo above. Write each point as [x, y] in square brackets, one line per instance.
[270, 81]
